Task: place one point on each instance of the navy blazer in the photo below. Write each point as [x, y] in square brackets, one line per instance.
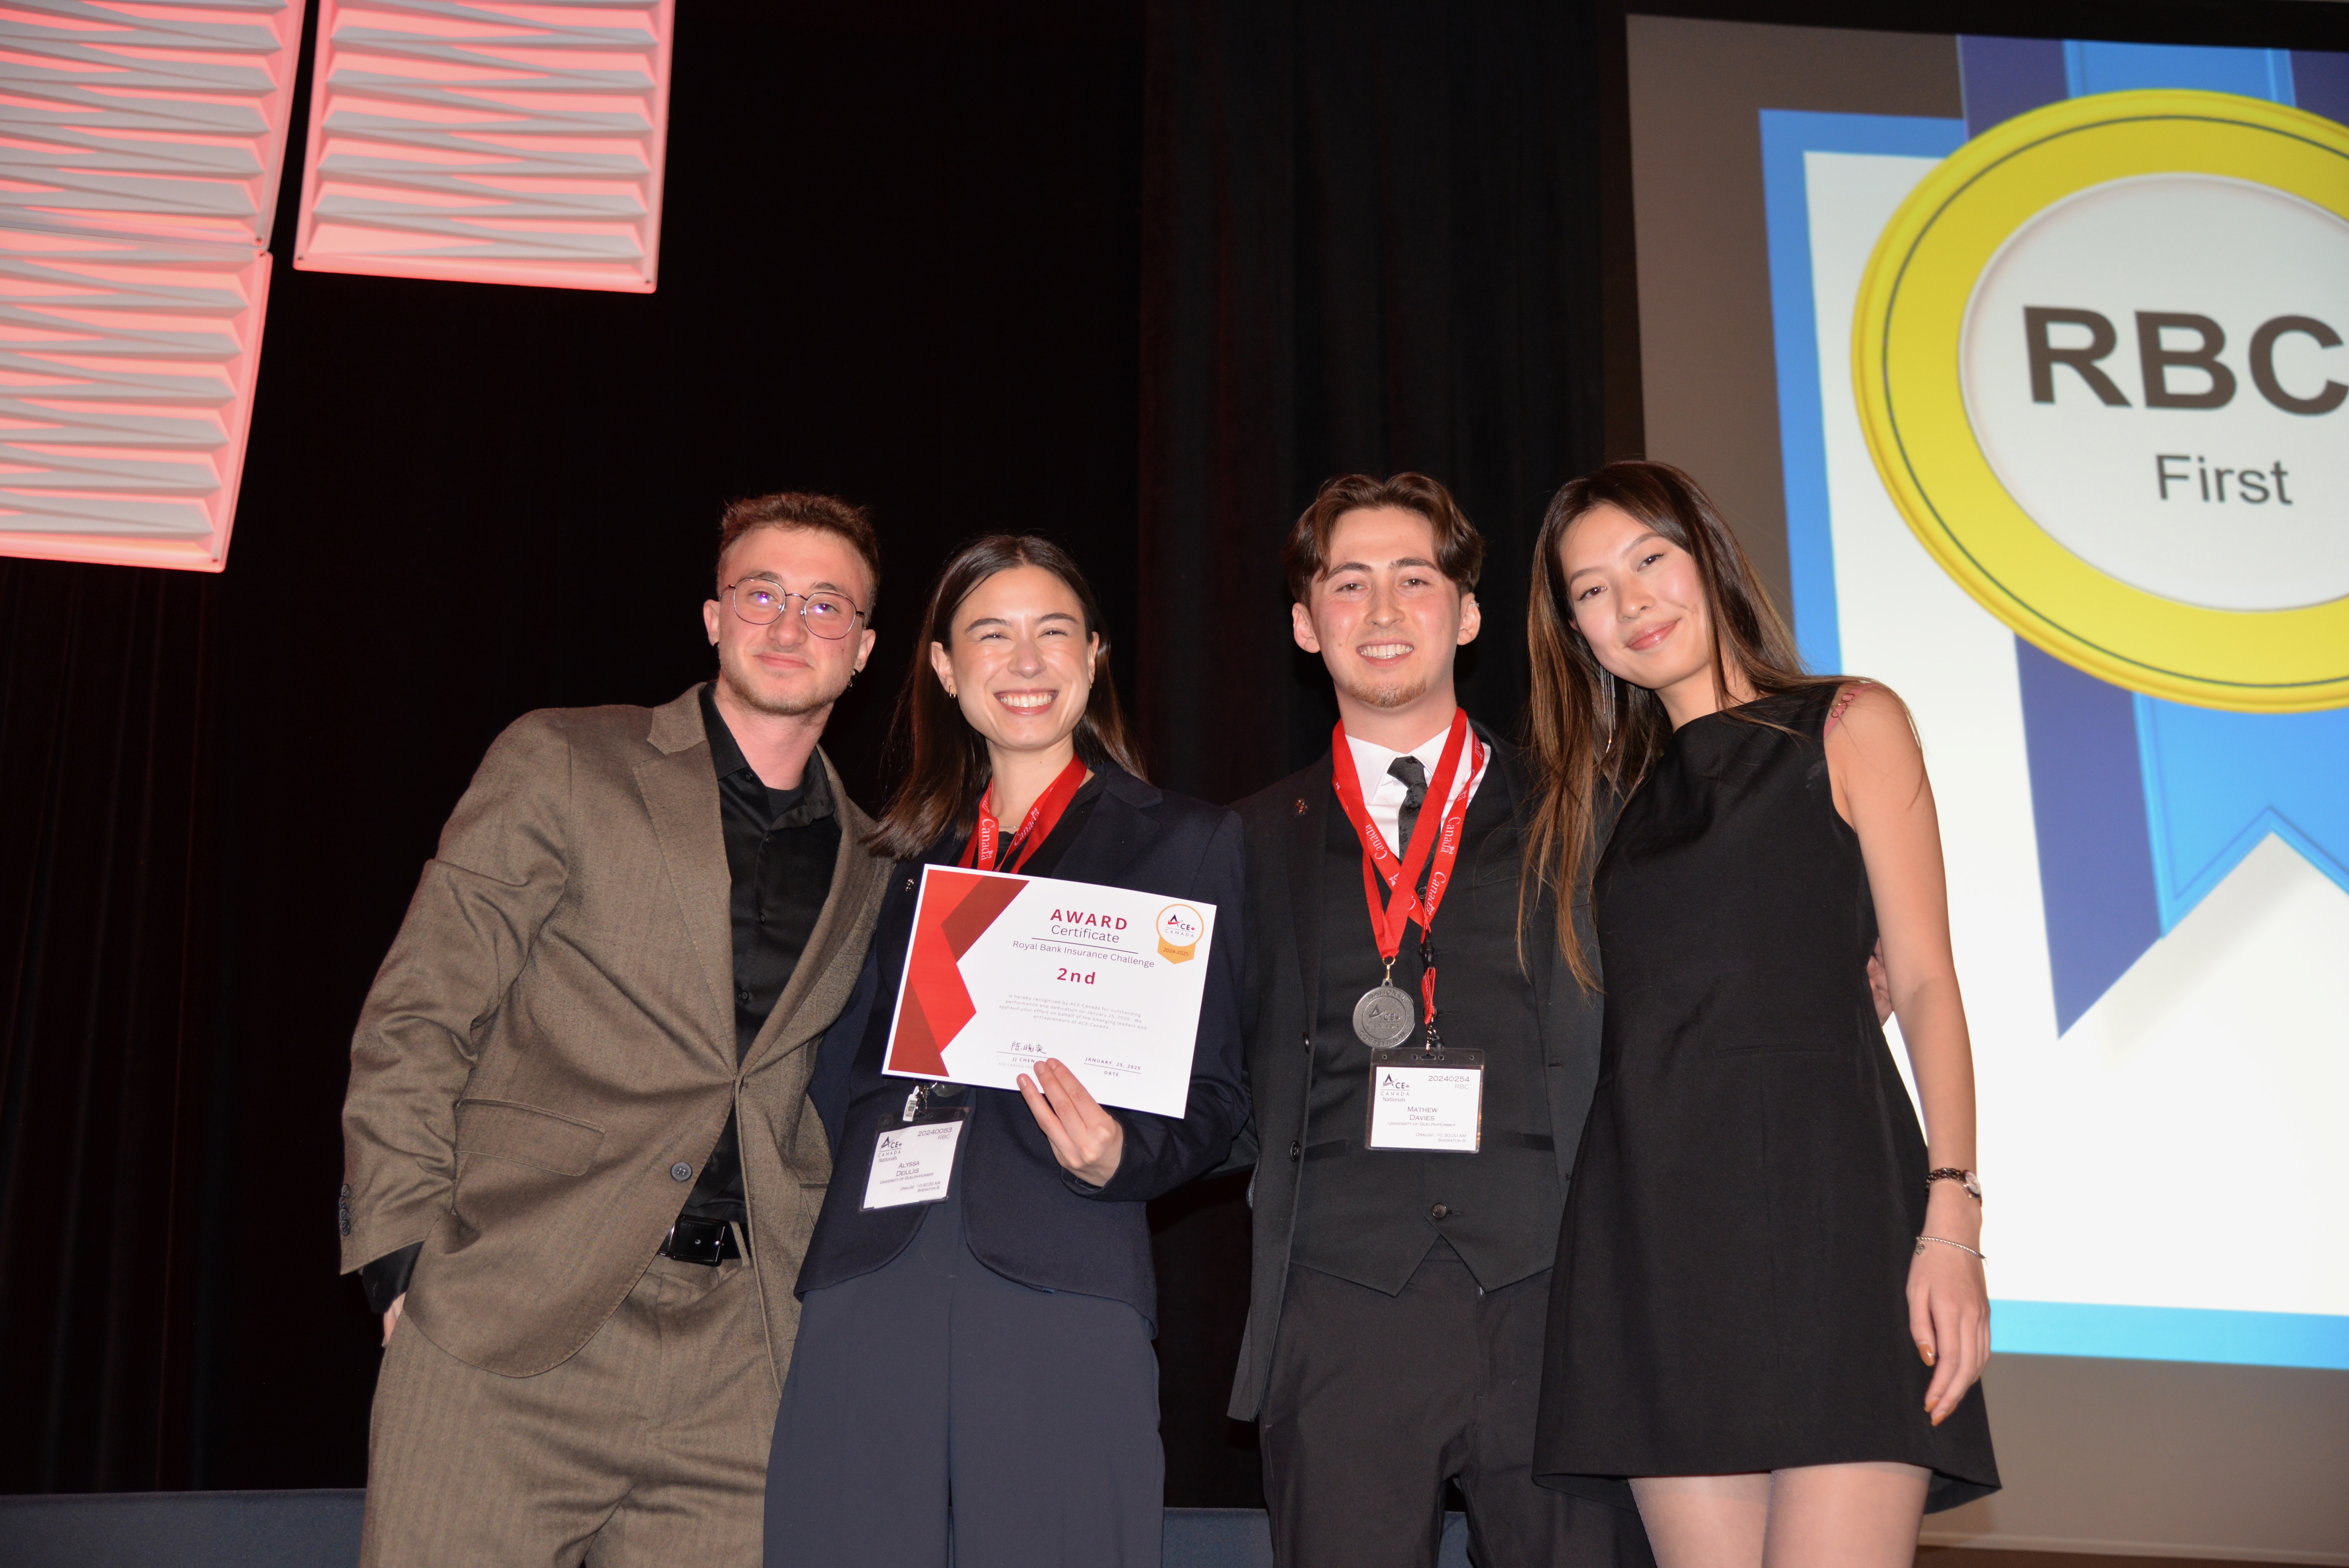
[1025, 1217]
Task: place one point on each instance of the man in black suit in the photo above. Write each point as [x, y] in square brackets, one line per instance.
[1394, 1337]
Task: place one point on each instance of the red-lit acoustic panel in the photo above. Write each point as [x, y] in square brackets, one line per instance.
[488, 142]
[126, 386]
[141, 142]
[154, 117]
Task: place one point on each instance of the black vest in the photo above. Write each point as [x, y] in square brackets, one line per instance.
[1370, 1216]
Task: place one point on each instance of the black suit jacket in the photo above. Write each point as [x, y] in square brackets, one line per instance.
[1285, 827]
[1025, 1217]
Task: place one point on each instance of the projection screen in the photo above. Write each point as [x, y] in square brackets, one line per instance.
[2021, 365]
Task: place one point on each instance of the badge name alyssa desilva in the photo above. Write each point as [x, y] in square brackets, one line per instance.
[914, 1157]
[1429, 1097]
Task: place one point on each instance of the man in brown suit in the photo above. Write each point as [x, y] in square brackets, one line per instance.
[581, 1166]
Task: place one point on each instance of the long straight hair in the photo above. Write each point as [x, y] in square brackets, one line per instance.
[943, 761]
[1589, 731]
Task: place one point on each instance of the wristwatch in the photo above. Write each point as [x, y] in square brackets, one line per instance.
[1966, 1179]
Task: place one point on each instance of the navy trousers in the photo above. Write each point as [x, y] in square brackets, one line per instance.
[937, 1413]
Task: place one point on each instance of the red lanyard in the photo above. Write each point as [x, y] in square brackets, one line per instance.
[1042, 817]
[1403, 905]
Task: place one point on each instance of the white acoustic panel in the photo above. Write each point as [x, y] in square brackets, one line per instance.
[152, 118]
[488, 142]
[125, 386]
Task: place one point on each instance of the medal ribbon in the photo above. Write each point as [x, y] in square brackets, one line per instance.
[1042, 817]
[1403, 904]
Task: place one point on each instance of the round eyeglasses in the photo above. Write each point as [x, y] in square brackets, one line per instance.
[762, 600]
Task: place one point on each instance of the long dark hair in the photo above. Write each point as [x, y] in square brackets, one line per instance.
[1589, 730]
[942, 759]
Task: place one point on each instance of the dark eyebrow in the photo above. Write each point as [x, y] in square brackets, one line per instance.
[778, 582]
[1364, 566]
[1002, 621]
[1635, 544]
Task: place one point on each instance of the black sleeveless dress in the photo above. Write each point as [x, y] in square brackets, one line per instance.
[1730, 1293]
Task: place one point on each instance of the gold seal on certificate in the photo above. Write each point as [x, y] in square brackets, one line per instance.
[1179, 930]
[1005, 971]
[1384, 1017]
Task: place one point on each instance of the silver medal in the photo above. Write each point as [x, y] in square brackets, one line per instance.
[1384, 1017]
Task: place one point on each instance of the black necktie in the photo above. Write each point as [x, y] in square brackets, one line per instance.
[1413, 774]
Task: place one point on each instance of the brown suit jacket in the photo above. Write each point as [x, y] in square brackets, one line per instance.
[548, 1054]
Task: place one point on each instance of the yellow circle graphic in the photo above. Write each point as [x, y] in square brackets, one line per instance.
[1907, 347]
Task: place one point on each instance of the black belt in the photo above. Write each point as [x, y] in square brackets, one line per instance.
[692, 1241]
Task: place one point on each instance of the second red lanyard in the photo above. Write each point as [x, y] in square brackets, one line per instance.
[986, 839]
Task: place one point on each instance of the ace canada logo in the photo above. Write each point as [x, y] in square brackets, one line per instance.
[2100, 360]
[1179, 928]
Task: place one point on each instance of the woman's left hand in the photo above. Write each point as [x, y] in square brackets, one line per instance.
[1949, 1303]
[1087, 1141]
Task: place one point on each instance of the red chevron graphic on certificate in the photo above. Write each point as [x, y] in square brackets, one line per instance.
[1004, 971]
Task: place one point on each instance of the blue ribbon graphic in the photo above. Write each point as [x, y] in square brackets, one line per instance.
[2216, 784]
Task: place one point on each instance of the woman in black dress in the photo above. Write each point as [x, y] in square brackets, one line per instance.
[973, 1381]
[1768, 1313]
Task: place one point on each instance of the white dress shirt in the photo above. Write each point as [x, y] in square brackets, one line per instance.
[1383, 792]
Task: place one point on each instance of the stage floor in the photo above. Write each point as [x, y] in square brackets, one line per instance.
[321, 1530]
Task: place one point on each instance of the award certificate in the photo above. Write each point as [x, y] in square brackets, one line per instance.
[1005, 971]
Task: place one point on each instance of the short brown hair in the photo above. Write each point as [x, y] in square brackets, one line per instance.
[803, 509]
[1459, 548]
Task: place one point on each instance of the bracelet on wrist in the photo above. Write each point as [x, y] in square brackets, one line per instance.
[1978, 1256]
[1965, 1179]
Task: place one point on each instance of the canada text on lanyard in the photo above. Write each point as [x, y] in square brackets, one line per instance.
[986, 839]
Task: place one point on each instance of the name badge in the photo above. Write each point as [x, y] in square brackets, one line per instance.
[1428, 1101]
[914, 1163]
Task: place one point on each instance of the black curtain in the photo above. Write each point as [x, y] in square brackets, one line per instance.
[899, 262]
[103, 1067]
[905, 254]
[1371, 241]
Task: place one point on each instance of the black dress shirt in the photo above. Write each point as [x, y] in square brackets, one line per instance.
[1046, 861]
[781, 847]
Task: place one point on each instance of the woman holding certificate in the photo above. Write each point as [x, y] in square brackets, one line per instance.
[973, 1380]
